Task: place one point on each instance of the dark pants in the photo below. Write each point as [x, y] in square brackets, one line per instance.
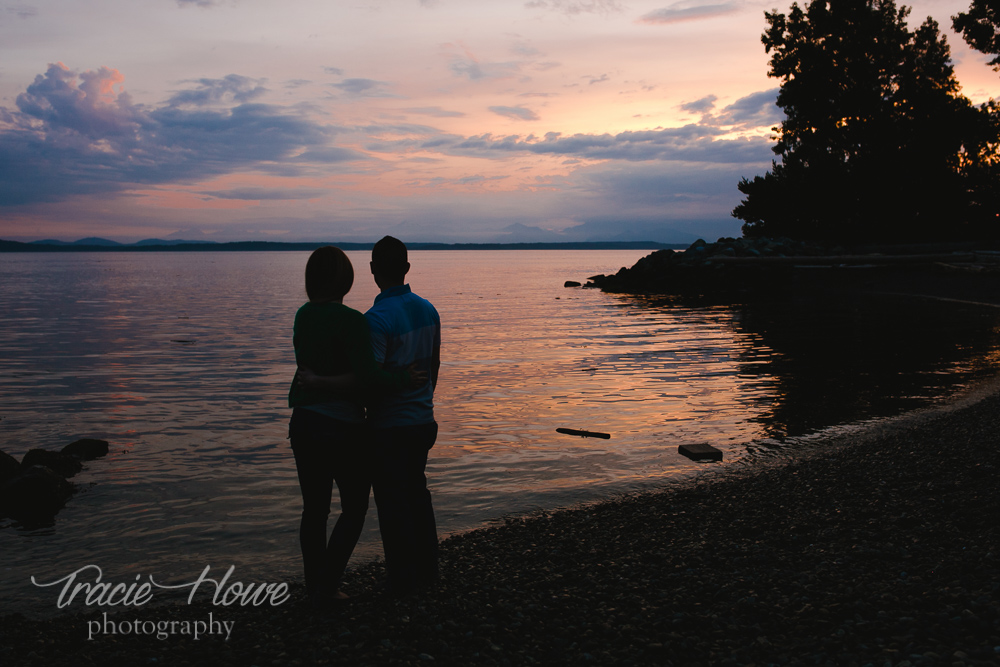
[328, 450]
[405, 514]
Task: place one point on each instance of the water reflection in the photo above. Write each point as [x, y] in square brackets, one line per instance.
[182, 361]
[807, 363]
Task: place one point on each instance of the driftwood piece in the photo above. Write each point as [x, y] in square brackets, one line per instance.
[584, 434]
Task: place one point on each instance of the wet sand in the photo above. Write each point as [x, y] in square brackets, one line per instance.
[881, 548]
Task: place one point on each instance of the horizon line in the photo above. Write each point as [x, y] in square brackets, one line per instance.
[203, 246]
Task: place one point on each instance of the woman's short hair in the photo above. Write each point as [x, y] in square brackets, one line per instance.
[329, 274]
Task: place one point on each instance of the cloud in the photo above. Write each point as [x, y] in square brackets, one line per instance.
[661, 201]
[704, 105]
[362, 87]
[525, 49]
[22, 11]
[688, 10]
[755, 110]
[691, 143]
[574, 7]
[516, 113]
[331, 155]
[696, 142]
[232, 88]
[545, 66]
[80, 133]
[469, 67]
[258, 194]
[437, 112]
[598, 79]
[335, 71]
[196, 3]
[96, 107]
[478, 178]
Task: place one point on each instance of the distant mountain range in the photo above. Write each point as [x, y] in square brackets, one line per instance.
[94, 244]
[97, 241]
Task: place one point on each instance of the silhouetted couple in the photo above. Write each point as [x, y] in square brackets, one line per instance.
[363, 417]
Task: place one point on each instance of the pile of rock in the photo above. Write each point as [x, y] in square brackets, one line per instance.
[36, 488]
[698, 268]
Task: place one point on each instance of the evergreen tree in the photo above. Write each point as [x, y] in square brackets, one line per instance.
[980, 27]
[877, 143]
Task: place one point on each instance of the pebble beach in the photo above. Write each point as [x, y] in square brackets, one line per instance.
[880, 548]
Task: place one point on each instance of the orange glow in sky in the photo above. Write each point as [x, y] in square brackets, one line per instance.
[441, 120]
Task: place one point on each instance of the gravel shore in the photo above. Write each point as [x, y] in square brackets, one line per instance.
[882, 548]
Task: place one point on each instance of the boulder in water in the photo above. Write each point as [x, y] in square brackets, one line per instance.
[9, 467]
[86, 449]
[64, 464]
[36, 494]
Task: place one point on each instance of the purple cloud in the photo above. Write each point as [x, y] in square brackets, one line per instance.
[470, 68]
[573, 7]
[80, 133]
[331, 155]
[22, 11]
[515, 113]
[754, 110]
[436, 112]
[691, 143]
[688, 10]
[703, 105]
[259, 194]
[362, 87]
[232, 88]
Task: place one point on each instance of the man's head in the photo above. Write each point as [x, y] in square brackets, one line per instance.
[329, 274]
[389, 263]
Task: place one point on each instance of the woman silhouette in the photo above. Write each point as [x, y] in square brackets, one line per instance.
[336, 369]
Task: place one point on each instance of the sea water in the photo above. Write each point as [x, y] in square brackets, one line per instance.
[182, 361]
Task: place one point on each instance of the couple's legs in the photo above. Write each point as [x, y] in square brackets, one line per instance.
[328, 451]
[405, 514]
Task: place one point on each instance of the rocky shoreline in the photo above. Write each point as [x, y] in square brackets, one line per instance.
[881, 548]
[34, 489]
[735, 269]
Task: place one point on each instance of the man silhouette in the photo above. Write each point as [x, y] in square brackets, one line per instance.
[405, 330]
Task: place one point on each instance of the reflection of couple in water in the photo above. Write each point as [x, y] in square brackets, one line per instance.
[363, 417]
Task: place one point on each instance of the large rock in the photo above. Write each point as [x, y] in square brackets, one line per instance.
[86, 449]
[64, 464]
[702, 270]
[9, 467]
[34, 495]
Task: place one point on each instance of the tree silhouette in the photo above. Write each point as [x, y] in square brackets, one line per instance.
[877, 143]
[980, 27]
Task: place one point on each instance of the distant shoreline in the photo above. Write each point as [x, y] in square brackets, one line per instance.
[258, 246]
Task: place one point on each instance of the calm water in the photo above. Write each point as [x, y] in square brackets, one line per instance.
[182, 361]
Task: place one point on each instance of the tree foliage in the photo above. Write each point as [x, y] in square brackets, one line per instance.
[877, 142]
[980, 27]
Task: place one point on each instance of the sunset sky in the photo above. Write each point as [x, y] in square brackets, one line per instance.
[432, 120]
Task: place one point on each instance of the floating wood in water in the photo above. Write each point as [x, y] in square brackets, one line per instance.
[584, 434]
[701, 452]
